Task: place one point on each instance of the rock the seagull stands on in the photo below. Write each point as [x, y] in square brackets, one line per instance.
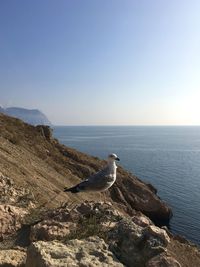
[100, 181]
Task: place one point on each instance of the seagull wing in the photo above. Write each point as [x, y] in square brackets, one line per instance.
[96, 182]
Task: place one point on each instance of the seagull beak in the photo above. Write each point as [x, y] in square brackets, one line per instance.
[117, 159]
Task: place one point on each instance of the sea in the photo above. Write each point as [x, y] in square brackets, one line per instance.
[168, 157]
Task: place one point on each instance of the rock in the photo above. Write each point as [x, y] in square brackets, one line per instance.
[10, 219]
[134, 240]
[153, 232]
[12, 258]
[51, 229]
[90, 252]
[11, 194]
[167, 231]
[135, 245]
[163, 260]
[45, 131]
[141, 220]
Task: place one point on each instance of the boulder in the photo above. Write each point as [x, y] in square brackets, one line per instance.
[12, 258]
[51, 229]
[153, 232]
[45, 131]
[90, 252]
[141, 220]
[135, 245]
[10, 219]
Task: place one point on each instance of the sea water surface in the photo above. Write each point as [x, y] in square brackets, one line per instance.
[167, 157]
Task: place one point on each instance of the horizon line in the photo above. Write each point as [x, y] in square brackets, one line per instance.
[126, 125]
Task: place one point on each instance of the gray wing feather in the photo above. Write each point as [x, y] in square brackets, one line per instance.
[96, 181]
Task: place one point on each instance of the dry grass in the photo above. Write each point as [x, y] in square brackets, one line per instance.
[88, 226]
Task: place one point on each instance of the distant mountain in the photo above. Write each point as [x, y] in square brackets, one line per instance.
[31, 116]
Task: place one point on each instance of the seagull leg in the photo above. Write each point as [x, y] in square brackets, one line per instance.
[104, 197]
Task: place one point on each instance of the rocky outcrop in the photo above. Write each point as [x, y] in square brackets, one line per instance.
[45, 131]
[135, 245]
[96, 234]
[12, 258]
[91, 252]
[133, 239]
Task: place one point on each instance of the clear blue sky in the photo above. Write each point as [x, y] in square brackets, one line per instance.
[102, 61]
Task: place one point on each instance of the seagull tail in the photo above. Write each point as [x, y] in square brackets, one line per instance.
[73, 189]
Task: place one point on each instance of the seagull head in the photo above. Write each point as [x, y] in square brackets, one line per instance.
[113, 157]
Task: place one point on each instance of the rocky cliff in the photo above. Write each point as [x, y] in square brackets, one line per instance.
[35, 160]
[32, 116]
[42, 226]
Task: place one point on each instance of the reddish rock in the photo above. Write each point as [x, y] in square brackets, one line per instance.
[141, 220]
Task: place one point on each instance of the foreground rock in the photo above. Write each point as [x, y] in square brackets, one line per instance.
[14, 205]
[135, 245]
[91, 252]
[94, 233]
[11, 218]
[133, 239]
[12, 258]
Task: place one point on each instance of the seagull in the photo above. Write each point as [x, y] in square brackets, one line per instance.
[99, 181]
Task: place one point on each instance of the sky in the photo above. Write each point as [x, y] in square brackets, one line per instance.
[102, 62]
